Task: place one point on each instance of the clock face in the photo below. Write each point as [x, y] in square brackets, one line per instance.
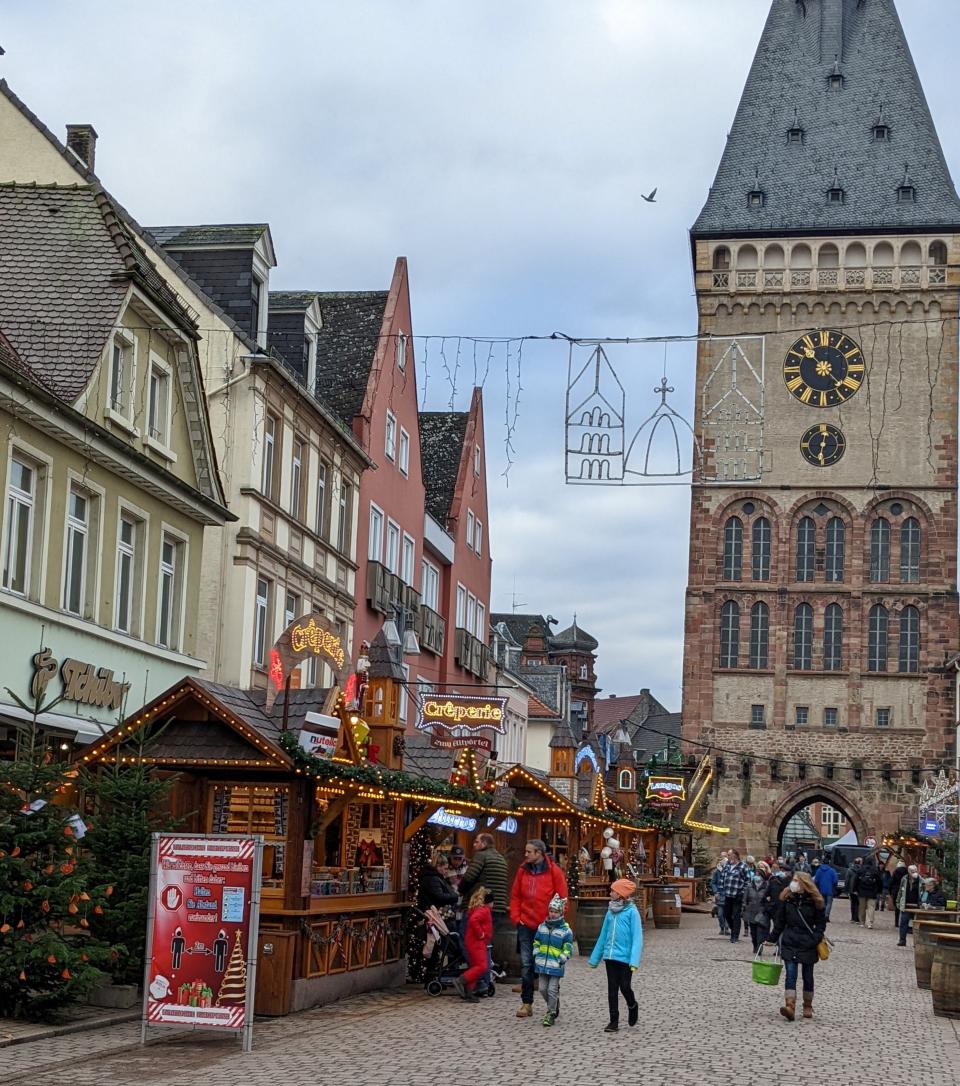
[824, 368]
[823, 445]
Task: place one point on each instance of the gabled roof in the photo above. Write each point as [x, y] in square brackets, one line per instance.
[519, 625]
[441, 448]
[803, 43]
[292, 301]
[424, 760]
[65, 265]
[216, 235]
[346, 346]
[608, 712]
[536, 708]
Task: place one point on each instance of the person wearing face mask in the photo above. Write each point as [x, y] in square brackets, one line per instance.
[619, 945]
[799, 925]
[754, 913]
[908, 897]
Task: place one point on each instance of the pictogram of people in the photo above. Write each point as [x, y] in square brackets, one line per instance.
[177, 944]
[220, 948]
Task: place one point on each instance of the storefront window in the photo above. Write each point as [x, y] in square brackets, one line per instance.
[353, 854]
[260, 809]
[556, 835]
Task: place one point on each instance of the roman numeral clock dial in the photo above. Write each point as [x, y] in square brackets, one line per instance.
[824, 368]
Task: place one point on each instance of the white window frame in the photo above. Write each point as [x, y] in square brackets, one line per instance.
[123, 348]
[404, 460]
[429, 584]
[290, 614]
[19, 499]
[390, 437]
[343, 527]
[478, 537]
[476, 460]
[469, 532]
[268, 467]
[134, 554]
[321, 519]
[481, 624]
[75, 528]
[401, 351]
[158, 438]
[461, 611]
[470, 624]
[261, 620]
[179, 574]
[297, 475]
[584, 671]
[375, 541]
[404, 699]
[408, 560]
[392, 554]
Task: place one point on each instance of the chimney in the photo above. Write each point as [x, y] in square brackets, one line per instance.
[82, 140]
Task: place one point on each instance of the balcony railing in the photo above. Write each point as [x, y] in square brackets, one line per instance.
[880, 277]
[471, 654]
[385, 590]
[431, 629]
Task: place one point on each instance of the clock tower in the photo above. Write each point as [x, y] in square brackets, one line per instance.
[822, 595]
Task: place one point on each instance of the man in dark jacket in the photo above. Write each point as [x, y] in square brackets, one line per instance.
[895, 879]
[733, 881]
[850, 885]
[869, 884]
[487, 868]
[911, 886]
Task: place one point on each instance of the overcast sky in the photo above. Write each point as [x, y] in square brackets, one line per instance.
[502, 147]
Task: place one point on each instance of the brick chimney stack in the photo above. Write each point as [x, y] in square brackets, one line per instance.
[82, 140]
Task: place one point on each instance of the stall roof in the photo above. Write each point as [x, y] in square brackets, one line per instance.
[426, 760]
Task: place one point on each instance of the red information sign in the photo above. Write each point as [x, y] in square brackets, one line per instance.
[202, 931]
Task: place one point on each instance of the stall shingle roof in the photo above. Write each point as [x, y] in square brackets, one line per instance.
[424, 760]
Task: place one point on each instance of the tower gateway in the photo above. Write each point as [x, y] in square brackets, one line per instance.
[822, 596]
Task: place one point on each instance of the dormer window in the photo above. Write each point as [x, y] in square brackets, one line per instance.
[836, 196]
[795, 135]
[835, 78]
[756, 198]
[906, 194]
[881, 133]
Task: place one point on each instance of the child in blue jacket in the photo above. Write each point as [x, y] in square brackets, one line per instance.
[552, 949]
[619, 945]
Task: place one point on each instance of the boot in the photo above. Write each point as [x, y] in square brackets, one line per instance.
[808, 1004]
[789, 1008]
[526, 1010]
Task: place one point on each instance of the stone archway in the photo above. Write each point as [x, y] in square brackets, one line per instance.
[803, 797]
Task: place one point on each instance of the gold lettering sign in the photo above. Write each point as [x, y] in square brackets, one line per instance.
[463, 711]
[82, 682]
[309, 637]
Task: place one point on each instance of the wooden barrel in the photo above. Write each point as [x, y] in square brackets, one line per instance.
[945, 976]
[666, 907]
[923, 946]
[590, 914]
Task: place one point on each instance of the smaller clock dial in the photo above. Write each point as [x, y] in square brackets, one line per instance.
[823, 445]
[824, 368]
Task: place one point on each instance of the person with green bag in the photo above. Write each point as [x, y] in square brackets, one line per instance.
[799, 924]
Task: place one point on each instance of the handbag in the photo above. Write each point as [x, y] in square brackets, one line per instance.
[823, 947]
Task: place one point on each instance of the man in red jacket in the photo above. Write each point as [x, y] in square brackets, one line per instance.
[536, 882]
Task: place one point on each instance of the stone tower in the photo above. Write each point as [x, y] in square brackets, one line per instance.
[822, 594]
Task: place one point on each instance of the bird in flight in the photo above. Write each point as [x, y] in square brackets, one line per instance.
[652, 198]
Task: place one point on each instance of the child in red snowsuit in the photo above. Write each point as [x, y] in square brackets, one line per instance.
[478, 935]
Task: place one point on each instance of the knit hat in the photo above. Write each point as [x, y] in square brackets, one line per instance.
[624, 887]
[558, 904]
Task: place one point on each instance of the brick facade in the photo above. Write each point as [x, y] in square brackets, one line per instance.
[900, 462]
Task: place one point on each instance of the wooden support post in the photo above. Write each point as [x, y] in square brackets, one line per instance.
[420, 821]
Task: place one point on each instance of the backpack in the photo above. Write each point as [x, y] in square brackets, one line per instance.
[868, 882]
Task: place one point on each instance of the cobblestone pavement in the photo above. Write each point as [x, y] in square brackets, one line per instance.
[702, 1021]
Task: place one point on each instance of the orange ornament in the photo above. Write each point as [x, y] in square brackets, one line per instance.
[98, 910]
[45, 906]
[67, 831]
[20, 924]
[52, 959]
[4, 928]
[84, 922]
[65, 974]
[84, 958]
[66, 868]
[108, 891]
[23, 976]
[16, 851]
[72, 908]
[84, 896]
[48, 870]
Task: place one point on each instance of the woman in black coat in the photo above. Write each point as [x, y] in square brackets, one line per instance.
[433, 888]
[799, 924]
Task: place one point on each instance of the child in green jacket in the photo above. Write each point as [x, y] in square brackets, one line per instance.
[552, 948]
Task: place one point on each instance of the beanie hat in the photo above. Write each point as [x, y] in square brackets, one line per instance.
[624, 887]
[558, 904]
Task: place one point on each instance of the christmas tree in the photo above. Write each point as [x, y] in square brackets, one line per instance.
[47, 894]
[233, 987]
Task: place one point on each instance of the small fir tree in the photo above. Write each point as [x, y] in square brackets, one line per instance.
[48, 895]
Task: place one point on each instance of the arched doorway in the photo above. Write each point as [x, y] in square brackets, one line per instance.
[813, 818]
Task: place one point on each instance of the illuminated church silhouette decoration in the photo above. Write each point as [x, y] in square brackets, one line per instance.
[595, 431]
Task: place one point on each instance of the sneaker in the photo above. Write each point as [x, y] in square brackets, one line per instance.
[525, 1011]
[548, 1019]
[611, 1027]
[633, 1014]
[460, 987]
[472, 997]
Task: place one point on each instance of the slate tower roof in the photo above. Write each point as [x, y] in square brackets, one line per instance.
[829, 69]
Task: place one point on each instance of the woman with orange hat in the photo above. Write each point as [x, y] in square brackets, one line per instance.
[619, 946]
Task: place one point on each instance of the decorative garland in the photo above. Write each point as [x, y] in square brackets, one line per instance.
[648, 819]
[391, 780]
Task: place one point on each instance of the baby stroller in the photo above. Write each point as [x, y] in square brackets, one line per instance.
[445, 956]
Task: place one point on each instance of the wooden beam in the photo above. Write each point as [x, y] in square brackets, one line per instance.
[420, 821]
[336, 808]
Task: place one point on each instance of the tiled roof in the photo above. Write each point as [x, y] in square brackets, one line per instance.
[574, 637]
[609, 712]
[244, 235]
[250, 706]
[519, 625]
[346, 346]
[563, 735]
[61, 281]
[299, 300]
[441, 446]
[545, 681]
[423, 760]
[789, 87]
[536, 708]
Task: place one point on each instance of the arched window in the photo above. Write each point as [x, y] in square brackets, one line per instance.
[759, 635]
[910, 551]
[910, 639]
[878, 639]
[760, 550]
[938, 253]
[806, 548]
[721, 259]
[733, 549]
[803, 637]
[836, 545]
[730, 634]
[833, 638]
[880, 550]
[625, 782]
